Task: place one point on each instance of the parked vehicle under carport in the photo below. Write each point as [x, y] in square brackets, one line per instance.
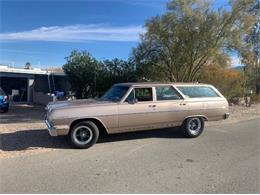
[4, 101]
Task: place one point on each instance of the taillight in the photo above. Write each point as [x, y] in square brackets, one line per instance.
[6, 98]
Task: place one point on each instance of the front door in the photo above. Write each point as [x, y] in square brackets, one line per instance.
[137, 112]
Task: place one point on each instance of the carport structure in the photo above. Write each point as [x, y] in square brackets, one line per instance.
[29, 83]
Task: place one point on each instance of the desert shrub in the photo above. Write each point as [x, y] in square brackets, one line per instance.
[229, 82]
[256, 98]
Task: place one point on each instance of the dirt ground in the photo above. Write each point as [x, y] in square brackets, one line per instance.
[23, 132]
[239, 113]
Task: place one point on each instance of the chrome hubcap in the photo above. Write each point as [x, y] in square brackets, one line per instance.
[82, 135]
[194, 126]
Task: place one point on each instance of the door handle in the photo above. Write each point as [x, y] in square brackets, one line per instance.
[182, 104]
[152, 106]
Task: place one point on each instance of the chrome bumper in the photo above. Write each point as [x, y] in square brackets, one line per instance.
[51, 129]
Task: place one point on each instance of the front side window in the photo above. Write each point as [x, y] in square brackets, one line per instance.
[115, 94]
[197, 91]
[166, 93]
[140, 94]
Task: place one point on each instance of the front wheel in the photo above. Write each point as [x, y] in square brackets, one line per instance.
[84, 134]
[193, 127]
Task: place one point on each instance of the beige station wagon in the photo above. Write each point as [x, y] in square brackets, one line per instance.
[137, 106]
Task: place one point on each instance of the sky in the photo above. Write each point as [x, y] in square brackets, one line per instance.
[44, 32]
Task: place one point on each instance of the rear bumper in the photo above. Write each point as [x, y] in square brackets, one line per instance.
[226, 115]
[52, 130]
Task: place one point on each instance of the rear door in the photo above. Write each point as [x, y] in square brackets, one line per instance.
[171, 108]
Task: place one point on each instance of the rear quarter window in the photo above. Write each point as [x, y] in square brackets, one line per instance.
[198, 91]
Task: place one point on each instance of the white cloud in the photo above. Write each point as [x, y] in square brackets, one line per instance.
[77, 33]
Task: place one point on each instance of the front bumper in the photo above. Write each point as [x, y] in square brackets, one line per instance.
[52, 130]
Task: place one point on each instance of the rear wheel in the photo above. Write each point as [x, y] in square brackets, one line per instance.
[193, 127]
[84, 134]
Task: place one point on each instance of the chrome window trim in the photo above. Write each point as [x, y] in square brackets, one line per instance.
[177, 92]
[126, 95]
[182, 95]
[135, 87]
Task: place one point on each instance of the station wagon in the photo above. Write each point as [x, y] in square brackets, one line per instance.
[127, 107]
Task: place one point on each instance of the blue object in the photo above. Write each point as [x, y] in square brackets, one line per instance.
[59, 93]
[4, 101]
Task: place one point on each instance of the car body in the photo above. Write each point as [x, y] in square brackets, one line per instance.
[4, 101]
[138, 106]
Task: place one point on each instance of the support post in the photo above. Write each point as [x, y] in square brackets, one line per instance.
[30, 89]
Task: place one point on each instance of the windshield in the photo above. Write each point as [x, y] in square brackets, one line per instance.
[115, 94]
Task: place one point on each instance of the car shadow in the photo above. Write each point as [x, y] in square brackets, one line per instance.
[158, 133]
[22, 140]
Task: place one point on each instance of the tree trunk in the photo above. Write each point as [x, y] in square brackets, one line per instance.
[257, 87]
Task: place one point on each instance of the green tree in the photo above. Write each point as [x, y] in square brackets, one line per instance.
[190, 35]
[251, 52]
[82, 70]
[90, 78]
[117, 71]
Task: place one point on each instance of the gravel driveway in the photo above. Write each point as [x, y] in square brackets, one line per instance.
[24, 133]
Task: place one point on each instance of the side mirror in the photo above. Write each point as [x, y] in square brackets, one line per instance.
[132, 101]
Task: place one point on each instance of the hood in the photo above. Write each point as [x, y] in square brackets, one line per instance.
[76, 103]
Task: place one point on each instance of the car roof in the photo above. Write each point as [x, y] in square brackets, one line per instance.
[147, 84]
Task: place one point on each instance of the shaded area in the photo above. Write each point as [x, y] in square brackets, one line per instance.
[22, 140]
[18, 84]
[22, 113]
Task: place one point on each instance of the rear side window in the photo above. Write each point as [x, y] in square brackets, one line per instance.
[166, 93]
[197, 91]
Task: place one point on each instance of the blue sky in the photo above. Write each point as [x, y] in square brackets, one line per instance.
[45, 32]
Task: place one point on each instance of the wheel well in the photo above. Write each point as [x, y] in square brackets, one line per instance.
[199, 116]
[101, 127]
[204, 118]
